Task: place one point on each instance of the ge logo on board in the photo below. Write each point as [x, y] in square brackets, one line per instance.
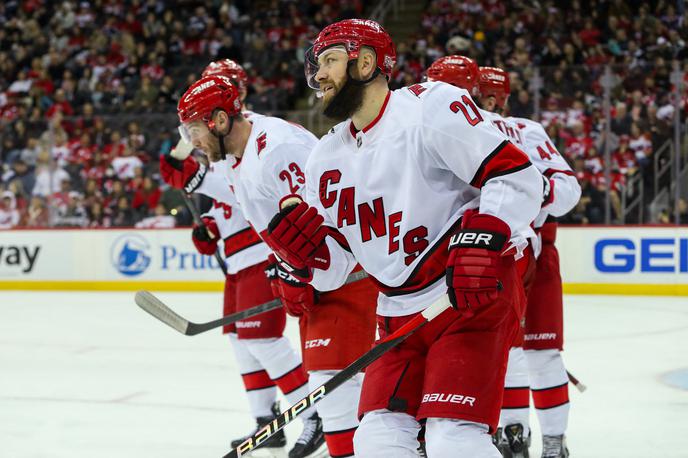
[130, 255]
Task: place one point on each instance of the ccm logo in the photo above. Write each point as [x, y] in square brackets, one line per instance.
[470, 238]
[317, 343]
[448, 397]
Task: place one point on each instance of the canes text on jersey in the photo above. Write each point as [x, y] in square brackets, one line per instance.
[371, 218]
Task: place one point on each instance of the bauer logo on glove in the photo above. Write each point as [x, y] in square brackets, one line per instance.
[473, 239]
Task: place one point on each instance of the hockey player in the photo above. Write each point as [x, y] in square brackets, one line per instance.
[544, 326]
[268, 157]
[264, 356]
[430, 199]
[492, 85]
[513, 435]
[237, 74]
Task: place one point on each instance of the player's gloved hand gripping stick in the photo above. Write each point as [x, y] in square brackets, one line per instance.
[473, 267]
[202, 227]
[186, 174]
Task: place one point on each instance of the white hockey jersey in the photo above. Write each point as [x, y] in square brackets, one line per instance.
[271, 168]
[242, 246]
[395, 191]
[566, 190]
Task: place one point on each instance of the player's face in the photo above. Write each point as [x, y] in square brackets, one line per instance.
[488, 103]
[201, 138]
[331, 73]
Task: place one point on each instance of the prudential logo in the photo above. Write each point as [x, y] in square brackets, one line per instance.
[130, 255]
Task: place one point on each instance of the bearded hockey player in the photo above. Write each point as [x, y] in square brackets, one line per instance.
[268, 158]
[264, 356]
[561, 195]
[430, 199]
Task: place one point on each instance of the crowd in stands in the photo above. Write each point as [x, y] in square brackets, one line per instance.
[569, 44]
[88, 89]
[88, 94]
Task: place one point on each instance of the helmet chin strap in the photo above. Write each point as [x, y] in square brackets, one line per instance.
[221, 138]
[360, 82]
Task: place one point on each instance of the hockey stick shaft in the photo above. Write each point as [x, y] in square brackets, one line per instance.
[577, 383]
[199, 221]
[342, 376]
[154, 306]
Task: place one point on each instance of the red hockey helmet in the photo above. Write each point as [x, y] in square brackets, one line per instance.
[459, 71]
[206, 95]
[495, 82]
[230, 69]
[352, 34]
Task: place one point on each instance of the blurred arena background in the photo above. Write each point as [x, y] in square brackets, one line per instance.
[88, 92]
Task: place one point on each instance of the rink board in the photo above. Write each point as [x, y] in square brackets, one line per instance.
[594, 260]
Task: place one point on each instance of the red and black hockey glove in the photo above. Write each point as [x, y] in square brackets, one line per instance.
[474, 267]
[296, 296]
[205, 237]
[296, 235]
[187, 174]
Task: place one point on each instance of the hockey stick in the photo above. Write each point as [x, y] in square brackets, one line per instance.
[577, 383]
[342, 376]
[151, 304]
[199, 221]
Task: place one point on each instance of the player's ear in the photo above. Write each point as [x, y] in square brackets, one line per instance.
[366, 63]
[221, 120]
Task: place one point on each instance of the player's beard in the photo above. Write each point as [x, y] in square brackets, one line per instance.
[214, 152]
[345, 102]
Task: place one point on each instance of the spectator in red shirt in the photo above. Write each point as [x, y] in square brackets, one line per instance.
[624, 157]
[147, 197]
[578, 143]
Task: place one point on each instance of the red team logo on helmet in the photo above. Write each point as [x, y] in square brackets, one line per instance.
[205, 96]
[230, 69]
[495, 82]
[352, 34]
[458, 71]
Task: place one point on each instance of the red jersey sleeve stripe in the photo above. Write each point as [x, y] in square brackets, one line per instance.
[241, 240]
[549, 172]
[505, 159]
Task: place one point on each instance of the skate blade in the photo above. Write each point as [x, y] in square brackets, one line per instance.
[268, 453]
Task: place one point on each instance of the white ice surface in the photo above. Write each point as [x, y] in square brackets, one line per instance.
[92, 375]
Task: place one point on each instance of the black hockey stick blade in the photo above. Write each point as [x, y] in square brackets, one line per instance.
[154, 306]
[342, 376]
[151, 304]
